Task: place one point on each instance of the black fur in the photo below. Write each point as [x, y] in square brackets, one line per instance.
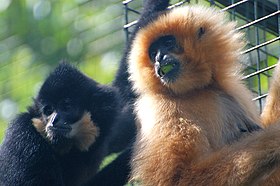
[125, 128]
[116, 173]
[28, 158]
[151, 10]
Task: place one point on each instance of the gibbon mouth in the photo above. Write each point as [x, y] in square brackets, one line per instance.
[60, 128]
[167, 71]
[57, 127]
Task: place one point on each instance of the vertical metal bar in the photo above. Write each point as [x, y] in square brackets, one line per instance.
[126, 21]
[278, 16]
[258, 53]
[250, 81]
[212, 2]
[232, 11]
[264, 38]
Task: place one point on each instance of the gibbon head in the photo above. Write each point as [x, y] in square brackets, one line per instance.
[184, 49]
[63, 110]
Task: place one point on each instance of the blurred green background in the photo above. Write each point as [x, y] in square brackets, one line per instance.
[36, 34]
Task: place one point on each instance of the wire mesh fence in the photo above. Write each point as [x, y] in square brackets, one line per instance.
[258, 19]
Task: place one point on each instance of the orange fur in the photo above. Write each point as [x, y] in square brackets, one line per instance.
[187, 133]
[214, 57]
[271, 111]
[84, 132]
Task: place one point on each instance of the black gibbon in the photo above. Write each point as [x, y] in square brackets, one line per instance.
[62, 138]
[125, 129]
[196, 122]
[151, 8]
[123, 134]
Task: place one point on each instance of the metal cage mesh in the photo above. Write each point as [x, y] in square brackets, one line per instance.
[258, 19]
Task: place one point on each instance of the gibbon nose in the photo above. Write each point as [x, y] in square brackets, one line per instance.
[53, 118]
[161, 56]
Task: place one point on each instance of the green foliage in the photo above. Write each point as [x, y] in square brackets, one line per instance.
[259, 83]
[36, 35]
[108, 160]
[2, 130]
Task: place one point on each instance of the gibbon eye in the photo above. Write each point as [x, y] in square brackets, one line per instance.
[48, 110]
[201, 32]
[152, 54]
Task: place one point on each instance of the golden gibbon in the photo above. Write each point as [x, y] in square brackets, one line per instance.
[196, 122]
[271, 112]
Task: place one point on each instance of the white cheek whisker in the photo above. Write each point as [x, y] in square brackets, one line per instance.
[51, 119]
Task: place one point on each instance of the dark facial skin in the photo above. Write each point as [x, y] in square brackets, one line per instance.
[161, 53]
[60, 117]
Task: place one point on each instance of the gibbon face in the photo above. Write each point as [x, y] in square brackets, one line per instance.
[184, 49]
[64, 118]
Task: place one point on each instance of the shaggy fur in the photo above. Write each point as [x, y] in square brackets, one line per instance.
[271, 111]
[198, 128]
[125, 129]
[61, 139]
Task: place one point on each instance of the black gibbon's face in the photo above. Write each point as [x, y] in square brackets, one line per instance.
[60, 119]
[65, 120]
[182, 50]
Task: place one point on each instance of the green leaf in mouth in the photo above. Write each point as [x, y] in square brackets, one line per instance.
[166, 68]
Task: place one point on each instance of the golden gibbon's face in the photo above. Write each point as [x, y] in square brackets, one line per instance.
[184, 49]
